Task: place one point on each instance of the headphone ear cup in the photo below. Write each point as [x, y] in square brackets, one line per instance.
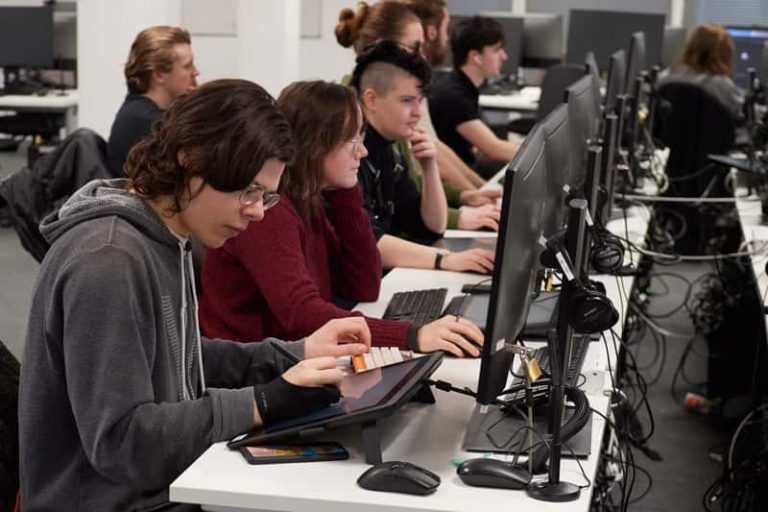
[592, 312]
[607, 255]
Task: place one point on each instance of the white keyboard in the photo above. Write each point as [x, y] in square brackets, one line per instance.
[378, 357]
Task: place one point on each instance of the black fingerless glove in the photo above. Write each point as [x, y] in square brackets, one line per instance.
[279, 399]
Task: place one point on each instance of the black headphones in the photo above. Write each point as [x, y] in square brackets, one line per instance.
[607, 254]
[591, 311]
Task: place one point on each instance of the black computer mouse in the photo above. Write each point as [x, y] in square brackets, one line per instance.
[493, 473]
[396, 476]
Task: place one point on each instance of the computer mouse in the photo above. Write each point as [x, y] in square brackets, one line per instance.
[396, 476]
[493, 473]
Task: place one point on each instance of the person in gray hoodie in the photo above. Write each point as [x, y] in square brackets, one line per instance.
[119, 392]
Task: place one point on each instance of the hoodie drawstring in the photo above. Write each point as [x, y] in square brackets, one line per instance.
[188, 281]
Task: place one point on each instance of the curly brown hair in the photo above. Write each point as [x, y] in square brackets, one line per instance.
[226, 130]
[153, 49]
[710, 50]
[322, 115]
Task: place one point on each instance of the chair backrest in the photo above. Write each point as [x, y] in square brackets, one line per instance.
[556, 80]
[9, 428]
[693, 124]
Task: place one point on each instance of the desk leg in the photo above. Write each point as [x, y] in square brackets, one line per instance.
[371, 442]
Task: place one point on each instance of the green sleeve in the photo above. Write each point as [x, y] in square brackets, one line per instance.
[453, 218]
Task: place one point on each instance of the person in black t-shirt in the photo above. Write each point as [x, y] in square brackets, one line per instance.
[477, 44]
[390, 82]
[160, 68]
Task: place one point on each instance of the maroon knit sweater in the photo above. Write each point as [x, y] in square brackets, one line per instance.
[277, 278]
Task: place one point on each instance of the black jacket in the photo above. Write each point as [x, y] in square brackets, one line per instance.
[31, 194]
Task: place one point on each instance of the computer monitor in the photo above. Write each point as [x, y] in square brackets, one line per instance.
[517, 260]
[512, 26]
[748, 52]
[582, 98]
[614, 83]
[542, 40]
[604, 32]
[592, 69]
[26, 36]
[673, 47]
[560, 167]
[635, 62]
[609, 135]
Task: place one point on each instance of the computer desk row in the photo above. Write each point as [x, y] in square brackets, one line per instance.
[755, 232]
[65, 102]
[428, 435]
[524, 100]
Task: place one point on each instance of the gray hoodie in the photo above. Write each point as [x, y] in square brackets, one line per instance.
[119, 393]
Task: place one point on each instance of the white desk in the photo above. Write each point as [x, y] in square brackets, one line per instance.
[65, 103]
[524, 100]
[427, 435]
[755, 231]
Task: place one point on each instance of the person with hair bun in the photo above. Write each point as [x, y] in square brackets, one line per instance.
[390, 20]
[708, 62]
[159, 69]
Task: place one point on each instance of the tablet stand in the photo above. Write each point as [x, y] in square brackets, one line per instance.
[370, 429]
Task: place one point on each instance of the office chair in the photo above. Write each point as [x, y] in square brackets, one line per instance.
[9, 428]
[556, 79]
[693, 124]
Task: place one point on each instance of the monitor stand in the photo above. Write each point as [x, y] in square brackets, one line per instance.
[491, 429]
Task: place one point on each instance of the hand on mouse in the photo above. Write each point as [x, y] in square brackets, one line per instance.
[455, 335]
[472, 260]
[486, 216]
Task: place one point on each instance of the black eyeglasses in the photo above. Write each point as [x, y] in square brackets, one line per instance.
[254, 193]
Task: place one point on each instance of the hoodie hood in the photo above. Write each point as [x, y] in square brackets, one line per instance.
[104, 198]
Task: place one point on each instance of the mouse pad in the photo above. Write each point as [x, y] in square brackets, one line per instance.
[491, 430]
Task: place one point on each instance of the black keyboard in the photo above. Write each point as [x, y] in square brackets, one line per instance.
[503, 88]
[580, 345]
[418, 307]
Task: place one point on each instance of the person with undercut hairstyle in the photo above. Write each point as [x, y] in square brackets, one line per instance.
[390, 82]
[392, 20]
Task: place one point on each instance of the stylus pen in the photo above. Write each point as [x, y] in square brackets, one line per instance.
[291, 356]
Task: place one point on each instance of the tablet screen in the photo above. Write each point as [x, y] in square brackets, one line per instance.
[360, 391]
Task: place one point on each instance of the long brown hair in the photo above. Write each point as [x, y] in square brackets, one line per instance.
[226, 130]
[384, 20]
[153, 49]
[710, 50]
[322, 115]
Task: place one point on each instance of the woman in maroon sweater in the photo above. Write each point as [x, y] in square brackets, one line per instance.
[278, 277]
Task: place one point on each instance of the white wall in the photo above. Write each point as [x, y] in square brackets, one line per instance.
[268, 42]
[324, 58]
[105, 31]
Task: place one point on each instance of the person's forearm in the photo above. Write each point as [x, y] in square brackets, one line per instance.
[434, 206]
[396, 252]
[467, 173]
[500, 150]
[449, 172]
